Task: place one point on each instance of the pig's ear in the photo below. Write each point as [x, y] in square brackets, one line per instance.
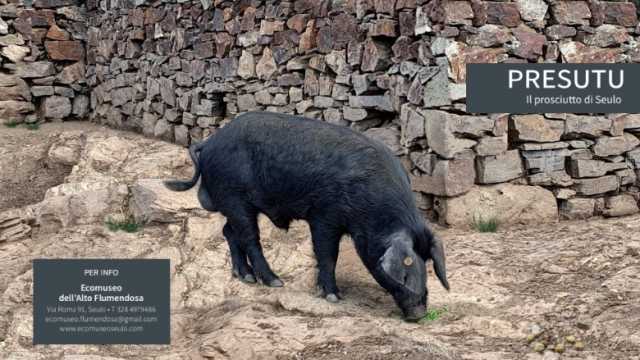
[430, 247]
[436, 253]
[400, 263]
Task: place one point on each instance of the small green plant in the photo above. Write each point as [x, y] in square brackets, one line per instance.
[485, 225]
[11, 124]
[433, 314]
[126, 224]
[34, 126]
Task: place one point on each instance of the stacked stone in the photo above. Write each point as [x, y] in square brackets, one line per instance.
[171, 69]
[42, 61]
[394, 69]
[585, 161]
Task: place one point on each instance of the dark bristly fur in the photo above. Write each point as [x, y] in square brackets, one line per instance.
[336, 179]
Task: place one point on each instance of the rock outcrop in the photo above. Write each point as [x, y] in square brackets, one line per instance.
[178, 70]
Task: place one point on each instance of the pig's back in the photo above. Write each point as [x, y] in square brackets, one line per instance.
[313, 147]
[297, 164]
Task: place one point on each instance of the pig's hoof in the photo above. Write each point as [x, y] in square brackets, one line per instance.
[276, 283]
[249, 279]
[268, 278]
[246, 278]
[332, 298]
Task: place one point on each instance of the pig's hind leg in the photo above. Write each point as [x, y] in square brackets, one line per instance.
[240, 268]
[243, 236]
[326, 243]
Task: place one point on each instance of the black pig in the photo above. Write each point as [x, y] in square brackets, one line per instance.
[338, 180]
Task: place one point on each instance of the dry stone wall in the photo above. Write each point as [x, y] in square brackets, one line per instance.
[393, 69]
[42, 52]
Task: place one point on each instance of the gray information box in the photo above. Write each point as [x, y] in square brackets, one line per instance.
[101, 301]
[545, 88]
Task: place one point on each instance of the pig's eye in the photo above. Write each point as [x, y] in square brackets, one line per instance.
[408, 261]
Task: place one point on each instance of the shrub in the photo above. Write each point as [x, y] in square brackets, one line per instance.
[485, 225]
[433, 314]
[124, 223]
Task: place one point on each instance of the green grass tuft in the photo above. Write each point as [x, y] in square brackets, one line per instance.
[127, 225]
[433, 315]
[11, 124]
[34, 126]
[488, 225]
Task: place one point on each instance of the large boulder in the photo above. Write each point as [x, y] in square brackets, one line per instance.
[105, 165]
[128, 158]
[14, 111]
[508, 204]
[66, 148]
[151, 201]
[620, 205]
[81, 203]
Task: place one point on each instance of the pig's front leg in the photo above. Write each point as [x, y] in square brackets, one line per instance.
[326, 243]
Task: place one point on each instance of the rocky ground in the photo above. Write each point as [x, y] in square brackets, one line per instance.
[512, 291]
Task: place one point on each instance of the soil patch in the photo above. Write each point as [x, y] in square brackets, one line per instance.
[24, 175]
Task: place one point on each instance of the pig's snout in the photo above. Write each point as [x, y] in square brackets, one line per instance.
[415, 313]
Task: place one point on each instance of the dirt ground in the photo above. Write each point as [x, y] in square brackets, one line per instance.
[570, 283]
[24, 175]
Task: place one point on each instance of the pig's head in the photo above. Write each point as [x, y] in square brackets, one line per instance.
[401, 269]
